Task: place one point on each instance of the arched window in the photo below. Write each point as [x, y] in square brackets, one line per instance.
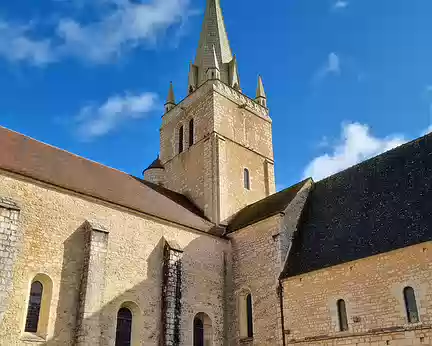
[198, 332]
[245, 315]
[202, 330]
[180, 143]
[342, 315]
[411, 305]
[191, 89]
[191, 132]
[124, 327]
[249, 316]
[34, 307]
[246, 178]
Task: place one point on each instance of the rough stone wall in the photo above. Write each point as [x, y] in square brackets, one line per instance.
[92, 287]
[243, 126]
[53, 243]
[155, 176]
[171, 296]
[255, 269]
[190, 172]
[373, 292]
[10, 241]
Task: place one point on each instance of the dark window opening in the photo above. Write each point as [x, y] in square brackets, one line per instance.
[191, 132]
[249, 316]
[180, 144]
[342, 314]
[191, 89]
[34, 307]
[198, 332]
[246, 179]
[124, 327]
[411, 305]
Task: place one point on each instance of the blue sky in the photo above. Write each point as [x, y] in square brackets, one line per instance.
[345, 79]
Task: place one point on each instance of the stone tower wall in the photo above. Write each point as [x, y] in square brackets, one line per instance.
[231, 133]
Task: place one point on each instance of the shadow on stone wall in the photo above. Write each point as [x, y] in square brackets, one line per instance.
[147, 294]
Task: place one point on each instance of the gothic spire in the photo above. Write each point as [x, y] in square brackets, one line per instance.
[213, 34]
[170, 102]
[261, 97]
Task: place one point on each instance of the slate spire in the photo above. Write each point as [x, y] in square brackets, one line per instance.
[213, 34]
[261, 97]
[170, 102]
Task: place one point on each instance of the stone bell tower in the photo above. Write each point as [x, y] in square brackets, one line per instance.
[216, 145]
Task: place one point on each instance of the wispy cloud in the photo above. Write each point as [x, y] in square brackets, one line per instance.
[332, 66]
[17, 44]
[340, 4]
[126, 26]
[98, 120]
[355, 145]
[122, 25]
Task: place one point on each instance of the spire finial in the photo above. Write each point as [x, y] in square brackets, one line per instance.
[170, 102]
[261, 96]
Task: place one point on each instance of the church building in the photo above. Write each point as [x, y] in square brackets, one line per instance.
[201, 250]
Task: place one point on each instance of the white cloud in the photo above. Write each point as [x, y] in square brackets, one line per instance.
[125, 26]
[340, 4]
[121, 25]
[96, 121]
[355, 145]
[331, 67]
[16, 44]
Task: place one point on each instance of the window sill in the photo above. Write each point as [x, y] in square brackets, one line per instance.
[31, 337]
[246, 340]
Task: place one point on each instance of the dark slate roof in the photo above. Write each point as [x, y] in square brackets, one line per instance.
[155, 164]
[264, 208]
[377, 206]
[27, 157]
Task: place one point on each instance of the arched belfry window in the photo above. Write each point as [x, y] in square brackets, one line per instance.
[181, 138]
[246, 179]
[191, 132]
[34, 307]
[202, 330]
[342, 315]
[411, 305]
[124, 327]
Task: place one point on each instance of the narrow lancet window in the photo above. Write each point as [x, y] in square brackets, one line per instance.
[249, 316]
[191, 132]
[342, 315]
[180, 143]
[246, 179]
[411, 305]
[124, 327]
[34, 307]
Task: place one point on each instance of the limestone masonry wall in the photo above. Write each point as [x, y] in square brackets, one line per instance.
[373, 292]
[53, 244]
[255, 269]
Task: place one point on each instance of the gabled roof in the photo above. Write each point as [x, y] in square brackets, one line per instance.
[378, 206]
[265, 208]
[27, 157]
